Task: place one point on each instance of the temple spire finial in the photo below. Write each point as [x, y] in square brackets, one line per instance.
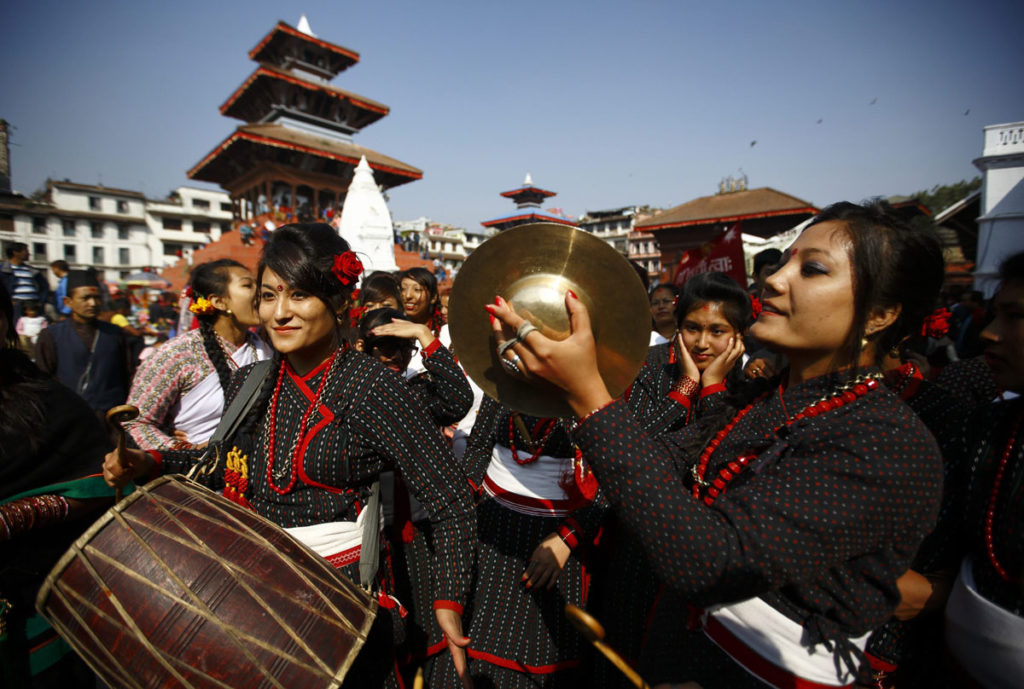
[304, 26]
[528, 181]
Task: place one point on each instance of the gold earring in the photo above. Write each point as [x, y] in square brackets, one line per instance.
[863, 343]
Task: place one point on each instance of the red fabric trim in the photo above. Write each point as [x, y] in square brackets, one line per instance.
[345, 557]
[327, 416]
[520, 667]
[436, 648]
[158, 464]
[448, 605]
[432, 347]
[680, 398]
[879, 665]
[567, 535]
[712, 389]
[755, 664]
[571, 522]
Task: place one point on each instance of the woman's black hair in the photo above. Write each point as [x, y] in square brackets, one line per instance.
[371, 319]
[719, 288]
[1012, 268]
[892, 265]
[428, 281]
[379, 285]
[212, 279]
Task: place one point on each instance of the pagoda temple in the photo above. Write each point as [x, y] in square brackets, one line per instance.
[294, 157]
[527, 199]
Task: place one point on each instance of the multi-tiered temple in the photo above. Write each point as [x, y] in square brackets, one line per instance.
[295, 155]
[527, 199]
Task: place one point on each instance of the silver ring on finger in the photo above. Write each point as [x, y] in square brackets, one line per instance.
[510, 365]
[525, 329]
[506, 345]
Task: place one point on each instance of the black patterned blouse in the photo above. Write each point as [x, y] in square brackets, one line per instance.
[442, 389]
[827, 517]
[367, 421]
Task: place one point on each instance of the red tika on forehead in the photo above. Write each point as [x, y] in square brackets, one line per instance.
[280, 288]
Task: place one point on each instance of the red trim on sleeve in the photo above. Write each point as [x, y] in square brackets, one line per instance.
[712, 389]
[448, 605]
[158, 464]
[567, 534]
[680, 398]
[432, 347]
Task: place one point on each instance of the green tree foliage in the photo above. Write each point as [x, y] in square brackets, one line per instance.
[942, 196]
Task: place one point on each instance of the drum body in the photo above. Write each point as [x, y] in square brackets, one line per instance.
[176, 586]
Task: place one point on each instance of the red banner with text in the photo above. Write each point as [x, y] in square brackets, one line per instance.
[724, 254]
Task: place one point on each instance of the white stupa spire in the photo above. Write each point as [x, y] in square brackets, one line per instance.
[366, 221]
[528, 182]
[304, 26]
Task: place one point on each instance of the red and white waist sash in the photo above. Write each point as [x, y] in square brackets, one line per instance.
[534, 489]
[770, 646]
[337, 542]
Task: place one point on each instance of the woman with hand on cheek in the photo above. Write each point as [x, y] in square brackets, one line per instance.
[327, 422]
[787, 528]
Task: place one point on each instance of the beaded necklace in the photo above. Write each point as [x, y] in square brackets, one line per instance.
[843, 396]
[297, 444]
[990, 513]
[537, 429]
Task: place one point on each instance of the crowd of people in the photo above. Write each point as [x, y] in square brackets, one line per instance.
[815, 480]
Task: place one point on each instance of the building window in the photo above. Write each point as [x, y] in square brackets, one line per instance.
[172, 223]
[199, 226]
[6, 223]
[97, 255]
[122, 232]
[123, 256]
[70, 255]
[69, 228]
[226, 207]
[38, 225]
[124, 274]
[201, 203]
[96, 230]
[172, 249]
[94, 203]
[122, 206]
[39, 251]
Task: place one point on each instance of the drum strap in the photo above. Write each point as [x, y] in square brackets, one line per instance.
[234, 414]
[369, 554]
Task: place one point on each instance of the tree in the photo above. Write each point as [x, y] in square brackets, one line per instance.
[942, 196]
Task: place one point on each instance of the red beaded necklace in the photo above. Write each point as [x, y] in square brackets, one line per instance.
[297, 445]
[990, 513]
[544, 426]
[848, 393]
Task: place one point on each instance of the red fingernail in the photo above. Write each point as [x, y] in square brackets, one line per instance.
[573, 294]
[489, 309]
[491, 316]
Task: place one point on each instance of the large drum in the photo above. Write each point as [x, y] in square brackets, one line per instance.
[176, 586]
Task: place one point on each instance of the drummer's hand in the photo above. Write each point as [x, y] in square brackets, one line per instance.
[450, 623]
[546, 563]
[687, 366]
[720, 366]
[118, 472]
[570, 364]
[407, 329]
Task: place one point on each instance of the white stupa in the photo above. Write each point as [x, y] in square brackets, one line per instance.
[366, 222]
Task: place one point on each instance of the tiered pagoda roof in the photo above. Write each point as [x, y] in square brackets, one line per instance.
[298, 129]
[528, 199]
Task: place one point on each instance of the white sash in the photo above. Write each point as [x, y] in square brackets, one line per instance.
[200, 409]
[986, 639]
[534, 488]
[774, 637]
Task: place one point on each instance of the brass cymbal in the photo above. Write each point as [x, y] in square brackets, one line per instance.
[531, 267]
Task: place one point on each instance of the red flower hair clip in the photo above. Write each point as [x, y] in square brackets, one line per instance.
[355, 314]
[936, 324]
[347, 268]
[187, 292]
[755, 306]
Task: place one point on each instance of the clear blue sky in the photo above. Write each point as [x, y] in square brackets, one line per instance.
[606, 103]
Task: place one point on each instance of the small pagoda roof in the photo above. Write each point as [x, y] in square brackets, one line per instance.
[260, 93]
[521, 216]
[285, 45]
[528, 190]
[729, 207]
[250, 145]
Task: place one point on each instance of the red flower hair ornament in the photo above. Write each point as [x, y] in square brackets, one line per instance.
[347, 268]
[936, 324]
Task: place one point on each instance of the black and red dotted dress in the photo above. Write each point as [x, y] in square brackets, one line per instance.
[796, 559]
[359, 421]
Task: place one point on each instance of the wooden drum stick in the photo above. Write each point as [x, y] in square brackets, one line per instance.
[593, 632]
[117, 416]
